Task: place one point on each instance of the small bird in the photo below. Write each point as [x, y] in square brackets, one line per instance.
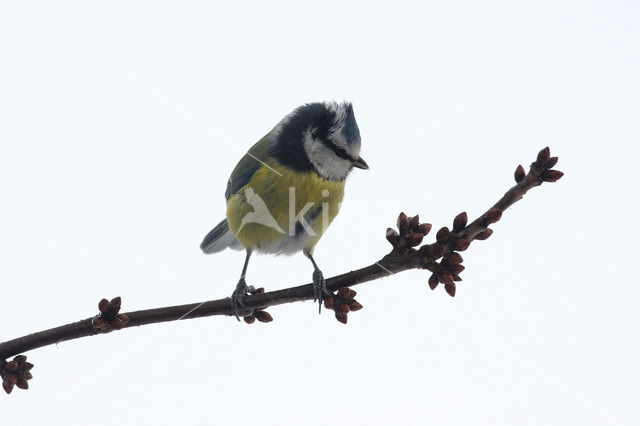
[285, 191]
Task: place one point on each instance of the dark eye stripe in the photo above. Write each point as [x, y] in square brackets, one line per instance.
[339, 151]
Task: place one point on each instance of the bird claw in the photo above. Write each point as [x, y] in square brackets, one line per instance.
[319, 288]
[237, 297]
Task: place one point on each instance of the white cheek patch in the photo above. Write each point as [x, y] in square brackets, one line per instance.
[328, 164]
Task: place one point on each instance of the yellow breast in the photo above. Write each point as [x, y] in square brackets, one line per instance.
[283, 211]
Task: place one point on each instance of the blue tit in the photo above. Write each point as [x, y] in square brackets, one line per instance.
[286, 190]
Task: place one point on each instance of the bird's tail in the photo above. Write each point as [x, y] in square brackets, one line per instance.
[219, 238]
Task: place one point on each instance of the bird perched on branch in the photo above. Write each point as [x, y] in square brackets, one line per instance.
[286, 190]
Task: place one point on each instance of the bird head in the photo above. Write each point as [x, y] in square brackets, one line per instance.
[323, 137]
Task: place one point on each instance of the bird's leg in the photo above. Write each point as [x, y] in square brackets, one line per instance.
[319, 284]
[242, 289]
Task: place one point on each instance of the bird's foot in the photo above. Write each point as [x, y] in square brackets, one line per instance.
[237, 297]
[319, 288]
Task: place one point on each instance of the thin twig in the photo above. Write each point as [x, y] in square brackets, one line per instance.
[403, 257]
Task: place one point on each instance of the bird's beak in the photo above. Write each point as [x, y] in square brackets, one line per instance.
[361, 164]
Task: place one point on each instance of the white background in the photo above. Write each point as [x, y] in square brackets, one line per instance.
[121, 121]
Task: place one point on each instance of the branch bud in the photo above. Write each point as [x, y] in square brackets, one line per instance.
[403, 223]
[117, 323]
[543, 156]
[519, 174]
[445, 277]
[456, 269]
[355, 305]
[414, 239]
[414, 222]
[104, 306]
[424, 228]
[330, 303]
[116, 302]
[98, 323]
[342, 317]
[343, 293]
[550, 162]
[392, 236]
[453, 258]
[263, 316]
[443, 235]
[484, 234]
[11, 379]
[433, 281]
[451, 289]
[551, 175]
[459, 222]
[124, 318]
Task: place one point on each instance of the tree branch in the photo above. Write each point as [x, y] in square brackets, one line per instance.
[441, 258]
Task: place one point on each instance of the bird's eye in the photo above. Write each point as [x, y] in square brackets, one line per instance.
[338, 150]
[341, 152]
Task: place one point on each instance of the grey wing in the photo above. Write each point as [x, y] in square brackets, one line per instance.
[248, 165]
